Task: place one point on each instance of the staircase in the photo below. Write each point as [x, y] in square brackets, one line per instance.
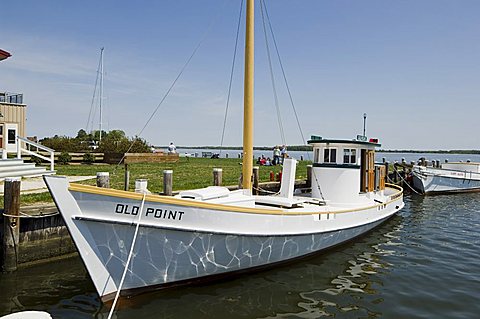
[18, 168]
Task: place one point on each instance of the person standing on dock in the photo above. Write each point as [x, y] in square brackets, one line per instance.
[171, 148]
[276, 155]
[283, 153]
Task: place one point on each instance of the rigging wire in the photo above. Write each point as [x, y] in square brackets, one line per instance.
[264, 6]
[283, 71]
[279, 117]
[130, 254]
[92, 108]
[199, 44]
[231, 76]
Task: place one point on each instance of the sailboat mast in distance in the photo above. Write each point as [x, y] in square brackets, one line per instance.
[101, 93]
[248, 99]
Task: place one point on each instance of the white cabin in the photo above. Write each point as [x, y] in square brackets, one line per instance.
[344, 170]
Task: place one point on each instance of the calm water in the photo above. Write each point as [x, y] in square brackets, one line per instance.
[391, 157]
[422, 263]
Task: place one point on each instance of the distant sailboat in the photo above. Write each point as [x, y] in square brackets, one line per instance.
[91, 115]
[212, 232]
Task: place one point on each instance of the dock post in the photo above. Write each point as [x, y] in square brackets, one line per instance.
[403, 161]
[387, 172]
[168, 182]
[11, 224]
[103, 179]
[255, 180]
[309, 176]
[384, 160]
[217, 177]
[127, 178]
[240, 181]
[226, 155]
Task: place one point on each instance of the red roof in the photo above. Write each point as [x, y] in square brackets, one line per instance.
[4, 55]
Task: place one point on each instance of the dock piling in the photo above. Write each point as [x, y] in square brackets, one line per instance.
[217, 177]
[168, 182]
[11, 224]
[127, 178]
[255, 180]
[309, 176]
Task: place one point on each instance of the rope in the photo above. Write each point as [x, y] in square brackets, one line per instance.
[404, 181]
[265, 191]
[92, 112]
[24, 215]
[128, 259]
[314, 175]
[279, 118]
[172, 85]
[231, 76]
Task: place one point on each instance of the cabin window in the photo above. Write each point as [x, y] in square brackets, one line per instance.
[349, 156]
[330, 155]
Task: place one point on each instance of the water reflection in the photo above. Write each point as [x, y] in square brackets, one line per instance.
[421, 263]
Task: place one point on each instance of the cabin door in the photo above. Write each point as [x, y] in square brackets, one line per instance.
[370, 171]
[10, 132]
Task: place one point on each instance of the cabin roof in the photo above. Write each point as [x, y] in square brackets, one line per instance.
[337, 141]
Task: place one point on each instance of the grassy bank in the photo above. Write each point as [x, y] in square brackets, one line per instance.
[188, 173]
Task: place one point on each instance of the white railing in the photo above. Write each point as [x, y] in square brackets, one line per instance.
[51, 152]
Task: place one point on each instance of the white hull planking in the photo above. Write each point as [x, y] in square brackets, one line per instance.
[178, 243]
[431, 180]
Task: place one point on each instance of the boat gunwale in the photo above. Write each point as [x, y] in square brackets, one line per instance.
[73, 187]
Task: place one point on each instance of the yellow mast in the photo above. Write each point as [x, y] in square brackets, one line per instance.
[248, 99]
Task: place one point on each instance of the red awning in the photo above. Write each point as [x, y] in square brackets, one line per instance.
[4, 55]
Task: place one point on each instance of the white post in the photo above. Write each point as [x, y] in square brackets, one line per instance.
[19, 150]
[52, 161]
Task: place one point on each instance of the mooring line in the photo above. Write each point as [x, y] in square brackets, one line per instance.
[117, 295]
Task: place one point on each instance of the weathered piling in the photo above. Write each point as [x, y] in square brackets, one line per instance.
[309, 176]
[255, 180]
[387, 168]
[11, 224]
[127, 178]
[168, 182]
[103, 179]
[217, 177]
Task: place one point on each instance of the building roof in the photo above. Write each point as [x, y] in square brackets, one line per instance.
[337, 141]
[4, 55]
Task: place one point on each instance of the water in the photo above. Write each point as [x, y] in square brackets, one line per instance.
[391, 157]
[422, 263]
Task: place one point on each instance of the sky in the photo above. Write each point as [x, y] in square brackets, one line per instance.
[412, 66]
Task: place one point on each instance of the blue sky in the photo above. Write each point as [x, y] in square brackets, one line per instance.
[413, 66]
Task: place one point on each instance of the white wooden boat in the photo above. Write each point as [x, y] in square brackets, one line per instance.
[212, 232]
[451, 177]
[28, 315]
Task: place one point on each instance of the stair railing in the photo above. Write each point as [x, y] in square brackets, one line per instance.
[27, 150]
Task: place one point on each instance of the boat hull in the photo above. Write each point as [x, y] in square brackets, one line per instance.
[439, 182]
[166, 257]
[198, 244]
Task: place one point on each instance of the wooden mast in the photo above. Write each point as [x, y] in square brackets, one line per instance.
[248, 99]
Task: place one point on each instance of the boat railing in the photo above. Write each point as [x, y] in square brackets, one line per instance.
[28, 150]
[398, 191]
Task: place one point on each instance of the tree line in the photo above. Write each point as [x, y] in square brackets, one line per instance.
[114, 141]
